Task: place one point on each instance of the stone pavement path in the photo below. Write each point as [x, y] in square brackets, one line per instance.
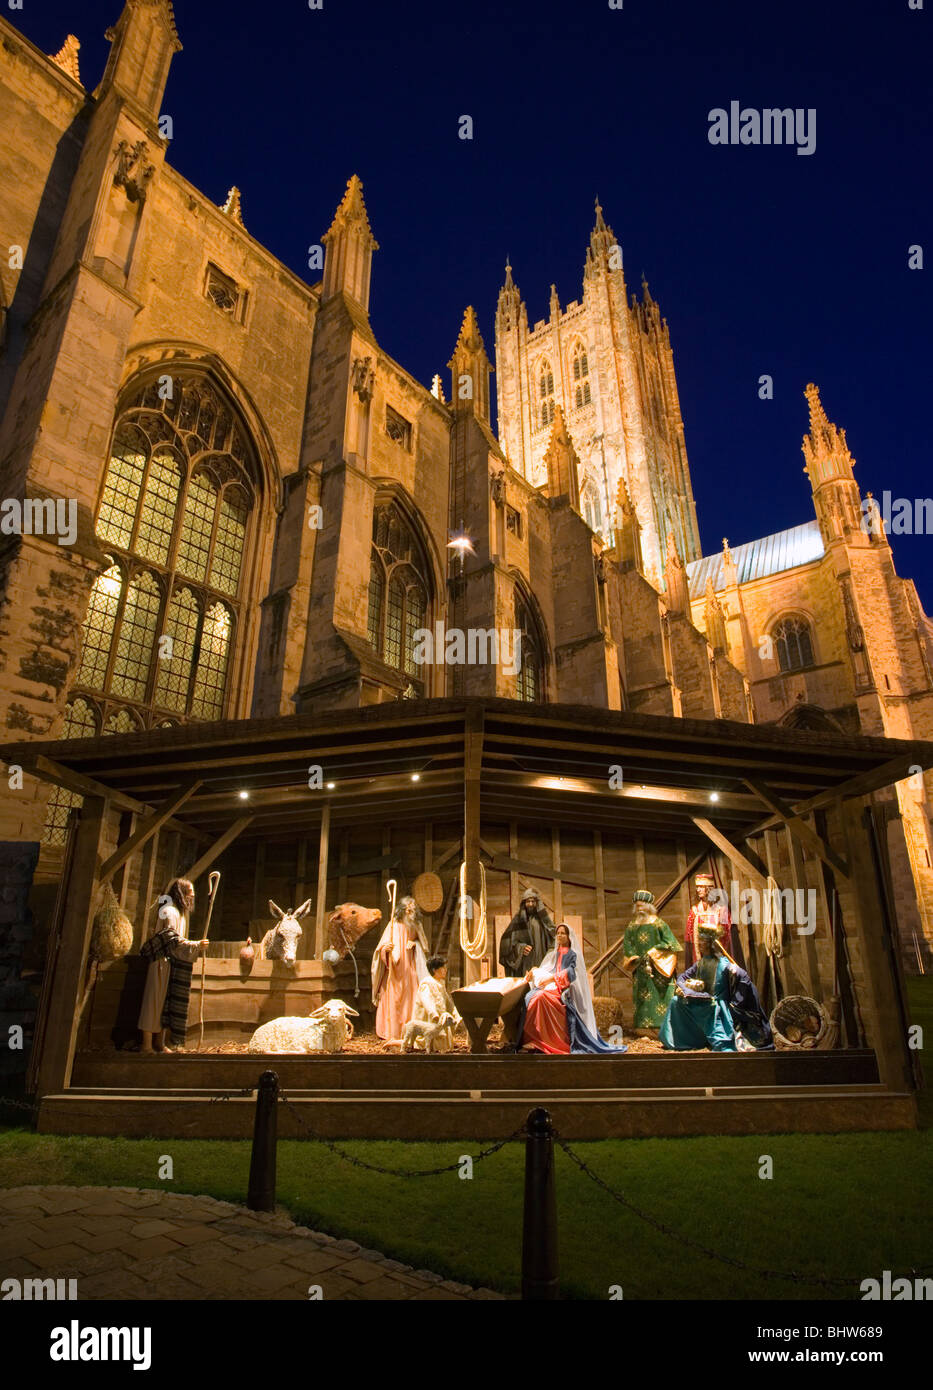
[126, 1242]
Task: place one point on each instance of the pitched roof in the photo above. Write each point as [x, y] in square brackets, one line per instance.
[785, 550]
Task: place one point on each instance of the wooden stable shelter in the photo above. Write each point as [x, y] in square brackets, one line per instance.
[584, 804]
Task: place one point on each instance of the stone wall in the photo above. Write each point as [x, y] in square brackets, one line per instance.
[17, 999]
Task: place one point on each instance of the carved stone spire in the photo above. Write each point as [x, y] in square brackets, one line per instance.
[470, 369]
[628, 531]
[143, 42]
[67, 57]
[675, 579]
[563, 464]
[508, 310]
[349, 244]
[233, 207]
[715, 619]
[824, 448]
[602, 241]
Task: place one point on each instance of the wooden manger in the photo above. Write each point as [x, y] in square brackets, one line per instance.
[481, 1005]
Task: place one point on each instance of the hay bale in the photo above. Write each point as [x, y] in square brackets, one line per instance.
[608, 1012]
[112, 937]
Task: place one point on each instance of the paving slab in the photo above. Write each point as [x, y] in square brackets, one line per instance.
[146, 1244]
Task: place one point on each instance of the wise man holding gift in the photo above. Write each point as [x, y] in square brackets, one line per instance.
[650, 953]
[705, 913]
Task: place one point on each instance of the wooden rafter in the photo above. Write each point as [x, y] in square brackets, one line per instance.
[218, 847]
[144, 832]
[734, 855]
[798, 827]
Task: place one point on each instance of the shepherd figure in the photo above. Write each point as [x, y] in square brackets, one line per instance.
[398, 967]
[168, 980]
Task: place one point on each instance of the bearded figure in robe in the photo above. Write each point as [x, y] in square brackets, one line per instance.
[398, 967]
[528, 937]
[715, 1003]
[650, 954]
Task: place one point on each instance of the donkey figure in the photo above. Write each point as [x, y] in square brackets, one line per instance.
[281, 941]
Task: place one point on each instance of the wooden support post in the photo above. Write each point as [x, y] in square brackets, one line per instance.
[878, 947]
[602, 926]
[67, 991]
[472, 767]
[558, 884]
[301, 868]
[259, 874]
[320, 906]
[514, 888]
[809, 964]
[342, 866]
[146, 889]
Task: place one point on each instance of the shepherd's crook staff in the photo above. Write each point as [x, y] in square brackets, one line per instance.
[213, 883]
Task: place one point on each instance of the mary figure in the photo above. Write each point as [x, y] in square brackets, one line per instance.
[558, 1013]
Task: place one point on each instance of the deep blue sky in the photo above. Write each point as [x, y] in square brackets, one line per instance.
[761, 260]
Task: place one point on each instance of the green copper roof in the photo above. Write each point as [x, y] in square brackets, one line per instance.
[785, 550]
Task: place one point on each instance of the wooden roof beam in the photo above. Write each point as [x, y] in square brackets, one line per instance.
[69, 780]
[148, 828]
[799, 828]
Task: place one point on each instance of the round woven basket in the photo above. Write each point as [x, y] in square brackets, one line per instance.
[428, 892]
[791, 1013]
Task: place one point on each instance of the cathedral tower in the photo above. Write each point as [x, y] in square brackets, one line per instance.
[605, 362]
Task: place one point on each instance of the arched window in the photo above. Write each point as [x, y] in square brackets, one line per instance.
[546, 388]
[530, 679]
[592, 510]
[399, 593]
[794, 644]
[581, 371]
[174, 514]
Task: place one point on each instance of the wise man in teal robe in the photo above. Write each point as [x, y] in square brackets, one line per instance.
[715, 1004]
[646, 942]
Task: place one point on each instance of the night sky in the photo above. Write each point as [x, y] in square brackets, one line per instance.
[762, 260]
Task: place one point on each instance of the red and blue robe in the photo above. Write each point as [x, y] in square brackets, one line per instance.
[550, 1023]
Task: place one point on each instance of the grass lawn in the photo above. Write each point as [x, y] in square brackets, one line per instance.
[846, 1205]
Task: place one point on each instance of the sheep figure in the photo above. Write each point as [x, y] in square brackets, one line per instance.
[327, 1029]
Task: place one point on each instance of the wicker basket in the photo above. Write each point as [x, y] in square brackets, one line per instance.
[791, 1014]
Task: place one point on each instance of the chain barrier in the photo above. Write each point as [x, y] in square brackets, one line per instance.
[230, 1095]
[395, 1172]
[31, 1106]
[733, 1261]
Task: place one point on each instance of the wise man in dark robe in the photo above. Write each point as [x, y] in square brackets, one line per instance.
[528, 937]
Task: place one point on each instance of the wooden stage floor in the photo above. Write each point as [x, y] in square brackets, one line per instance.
[461, 1096]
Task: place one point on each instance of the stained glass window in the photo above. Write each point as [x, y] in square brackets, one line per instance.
[195, 543]
[140, 619]
[230, 541]
[80, 722]
[211, 674]
[159, 508]
[177, 500]
[794, 644]
[398, 593]
[99, 626]
[529, 683]
[174, 669]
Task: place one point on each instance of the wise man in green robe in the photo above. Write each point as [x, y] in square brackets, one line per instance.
[648, 945]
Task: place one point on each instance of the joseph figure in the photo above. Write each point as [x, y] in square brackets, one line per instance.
[528, 937]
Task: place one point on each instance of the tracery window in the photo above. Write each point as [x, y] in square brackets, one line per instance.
[581, 371]
[398, 591]
[546, 387]
[530, 679]
[80, 722]
[174, 515]
[794, 644]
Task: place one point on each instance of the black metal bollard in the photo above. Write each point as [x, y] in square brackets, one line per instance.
[261, 1194]
[539, 1232]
